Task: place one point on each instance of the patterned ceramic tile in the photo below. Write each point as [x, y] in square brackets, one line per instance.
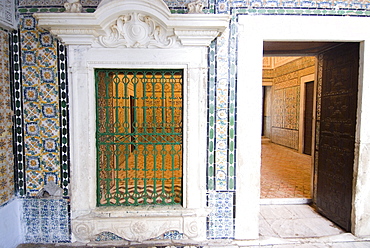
[46, 220]
[220, 224]
[46, 146]
[6, 146]
[286, 90]
[34, 3]
[40, 105]
[211, 117]
[63, 117]
[107, 236]
[222, 102]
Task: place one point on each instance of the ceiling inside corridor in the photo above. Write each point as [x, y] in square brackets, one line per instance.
[283, 48]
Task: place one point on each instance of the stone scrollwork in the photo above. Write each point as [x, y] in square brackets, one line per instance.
[73, 6]
[195, 7]
[192, 229]
[137, 30]
[82, 231]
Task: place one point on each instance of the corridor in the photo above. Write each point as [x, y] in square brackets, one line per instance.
[285, 173]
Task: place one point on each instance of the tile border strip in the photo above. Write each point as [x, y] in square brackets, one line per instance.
[18, 130]
[64, 117]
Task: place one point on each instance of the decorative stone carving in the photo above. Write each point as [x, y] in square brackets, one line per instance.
[192, 229]
[73, 6]
[82, 231]
[134, 23]
[137, 30]
[137, 229]
[7, 14]
[195, 7]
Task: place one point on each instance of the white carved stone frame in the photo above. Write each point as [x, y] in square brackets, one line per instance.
[136, 34]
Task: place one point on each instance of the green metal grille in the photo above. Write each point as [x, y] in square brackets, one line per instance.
[139, 136]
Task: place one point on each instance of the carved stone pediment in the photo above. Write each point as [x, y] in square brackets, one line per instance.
[138, 30]
[134, 23]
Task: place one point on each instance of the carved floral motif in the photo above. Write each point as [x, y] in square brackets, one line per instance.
[137, 30]
[196, 7]
[73, 6]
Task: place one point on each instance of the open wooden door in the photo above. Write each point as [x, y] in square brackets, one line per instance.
[336, 125]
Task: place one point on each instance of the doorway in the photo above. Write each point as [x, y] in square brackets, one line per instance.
[286, 172]
[335, 123]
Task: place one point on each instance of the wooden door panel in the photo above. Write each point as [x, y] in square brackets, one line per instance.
[308, 114]
[337, 107]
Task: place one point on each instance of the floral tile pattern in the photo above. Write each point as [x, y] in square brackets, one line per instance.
[221, 219]
[6, 146]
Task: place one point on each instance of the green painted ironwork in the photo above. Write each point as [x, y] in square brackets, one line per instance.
[139, 136]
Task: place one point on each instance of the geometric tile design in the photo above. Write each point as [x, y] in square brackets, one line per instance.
[45, 95]
[108, 236]
[40, 105]
[173, 235]
[6, 143]
[285, 107]
[220, 164]
[222, 113]
[63, 117]
[46, 220]
[211, 122]
[224, 6]
[220, 224]
[90, 3]
[221, 139]
[256, 7]
[18, 116]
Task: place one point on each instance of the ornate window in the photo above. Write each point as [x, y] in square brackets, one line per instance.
[139, 136]
[132, 35]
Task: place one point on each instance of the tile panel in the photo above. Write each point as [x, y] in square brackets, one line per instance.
[6, 124]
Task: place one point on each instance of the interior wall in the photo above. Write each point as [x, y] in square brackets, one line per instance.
[6, 143]
[11, 233]
[10, 229]
[286, 94]
[221, 109]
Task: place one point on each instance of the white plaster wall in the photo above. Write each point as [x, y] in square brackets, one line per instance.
[10, 225]
[253, 31]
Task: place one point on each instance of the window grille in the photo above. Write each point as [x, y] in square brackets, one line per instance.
[139, 136]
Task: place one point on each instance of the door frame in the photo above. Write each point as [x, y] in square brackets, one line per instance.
[253, 31]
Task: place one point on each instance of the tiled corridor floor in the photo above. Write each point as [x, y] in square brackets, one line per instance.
[285, 173]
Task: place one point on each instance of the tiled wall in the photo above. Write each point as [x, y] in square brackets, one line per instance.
[40, 106]
[6, 147]
[45, 111]
[286, 100]
[45, 220]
